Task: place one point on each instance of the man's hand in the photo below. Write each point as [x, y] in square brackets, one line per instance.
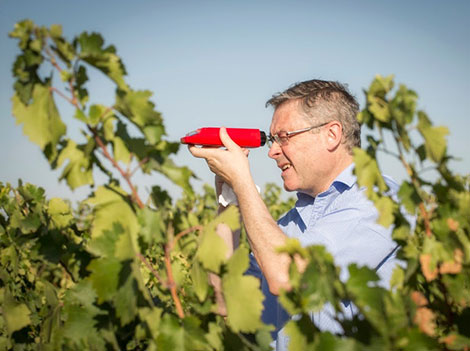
[230, 164]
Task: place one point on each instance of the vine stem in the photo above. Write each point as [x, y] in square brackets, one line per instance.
[141, 163]
[425, 214]
[135, 196]
[67, 271]
[55, 90]
[449, 312]
[54, 63]
[152, 270]
[74, 102]
[172, 284]
[171, 281]
[125, 175]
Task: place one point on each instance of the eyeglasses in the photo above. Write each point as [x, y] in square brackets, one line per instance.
[282, 138]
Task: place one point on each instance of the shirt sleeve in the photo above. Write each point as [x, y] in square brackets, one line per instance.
[254, 269]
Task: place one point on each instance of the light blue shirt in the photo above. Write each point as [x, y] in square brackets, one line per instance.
[344, 221]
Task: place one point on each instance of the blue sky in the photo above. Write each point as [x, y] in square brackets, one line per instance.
[212, 63]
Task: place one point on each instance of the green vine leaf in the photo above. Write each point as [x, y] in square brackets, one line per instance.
[212, 251]
[185, 336]
[103, 58]
[104, 277]
[78, 170]
[200, 281]
[60, 212]
[109, 207]
[41, 121]
[136, 106]
[434, 138]
[178, 175]
[242, 290]
[367, 172]
[16, 315]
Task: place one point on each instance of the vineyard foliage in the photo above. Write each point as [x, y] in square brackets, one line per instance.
[119, 272]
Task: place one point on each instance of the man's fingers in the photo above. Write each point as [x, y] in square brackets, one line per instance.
[201, 152]
[226, 140]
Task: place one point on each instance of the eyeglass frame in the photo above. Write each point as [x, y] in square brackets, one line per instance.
[271, 138]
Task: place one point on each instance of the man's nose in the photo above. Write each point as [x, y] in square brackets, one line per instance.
[274, 151]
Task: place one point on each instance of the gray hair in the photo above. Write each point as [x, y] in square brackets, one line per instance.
[325, 101]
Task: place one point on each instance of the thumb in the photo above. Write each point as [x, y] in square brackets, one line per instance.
[226, 140]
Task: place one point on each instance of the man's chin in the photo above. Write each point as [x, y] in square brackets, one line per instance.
[289, 187]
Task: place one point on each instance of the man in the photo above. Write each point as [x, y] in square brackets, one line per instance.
[313, 131]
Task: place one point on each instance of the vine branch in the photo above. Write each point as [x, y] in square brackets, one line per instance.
[54, 63]
[425, 214]
[141, 163]
[171, 281]
[125, 175]
[152, 270]
[73, 100]
[54, 89]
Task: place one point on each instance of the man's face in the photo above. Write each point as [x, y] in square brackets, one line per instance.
[303, 159]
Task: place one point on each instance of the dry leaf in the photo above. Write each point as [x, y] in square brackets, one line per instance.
[424, 318]
[425, 260]
[453, 224]
[454, 266]
[419, 299]
[449, 339]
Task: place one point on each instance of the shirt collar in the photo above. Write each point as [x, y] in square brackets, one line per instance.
[345, 180]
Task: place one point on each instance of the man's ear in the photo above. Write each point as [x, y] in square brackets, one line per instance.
[334, 135]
